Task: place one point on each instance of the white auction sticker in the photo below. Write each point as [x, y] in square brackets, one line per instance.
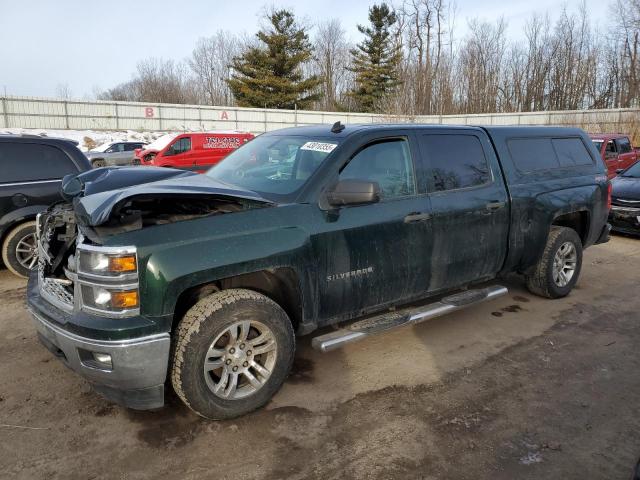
[319, 146]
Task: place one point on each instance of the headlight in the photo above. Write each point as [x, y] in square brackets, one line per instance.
[108, 280]
[100, 263]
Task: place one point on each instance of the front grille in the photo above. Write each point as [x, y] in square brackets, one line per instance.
[54, 291]
[623, 202]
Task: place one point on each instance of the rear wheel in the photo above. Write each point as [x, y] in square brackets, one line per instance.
[19, 250]
[558, 269]
[233, 350]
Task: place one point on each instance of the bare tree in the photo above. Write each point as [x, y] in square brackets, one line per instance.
[210, 62]
[63, 91]
[331, 64]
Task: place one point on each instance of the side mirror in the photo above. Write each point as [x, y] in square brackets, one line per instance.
[619, 171]
[354, 192]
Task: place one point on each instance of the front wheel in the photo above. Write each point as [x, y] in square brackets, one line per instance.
[233, 350]
[557, 271]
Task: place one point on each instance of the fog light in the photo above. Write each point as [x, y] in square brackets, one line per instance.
[102, 357]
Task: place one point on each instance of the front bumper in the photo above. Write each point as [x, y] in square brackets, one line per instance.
[625, 219]
[137, 373]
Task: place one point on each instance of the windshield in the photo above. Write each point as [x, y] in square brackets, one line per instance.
[598, 144]
[633, 171]
[102, 148]
[274, 166]
[161, 142]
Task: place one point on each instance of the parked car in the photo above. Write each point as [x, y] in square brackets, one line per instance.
[203, 281]
[197, 151]
[32, 168]
[616, 151]
[114, 153]
[625, 201]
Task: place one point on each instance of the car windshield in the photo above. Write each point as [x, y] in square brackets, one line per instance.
[160, 143]
[633, 171]
[275, 166]
[598, 144]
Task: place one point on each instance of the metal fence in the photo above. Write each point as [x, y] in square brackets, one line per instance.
[44, 113]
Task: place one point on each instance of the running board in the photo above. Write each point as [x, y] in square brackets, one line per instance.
[387, 321]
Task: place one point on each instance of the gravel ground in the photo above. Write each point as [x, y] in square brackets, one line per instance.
[521, 387]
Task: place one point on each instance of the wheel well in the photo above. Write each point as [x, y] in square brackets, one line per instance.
[279, 284]
[578, 221]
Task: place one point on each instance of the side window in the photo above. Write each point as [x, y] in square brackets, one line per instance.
[571, 152]
[623, 144]
[455, 161]
[533, 154]
[611, 147]
[26, 162]
[130, 147]
[388, 163]
[181, 146]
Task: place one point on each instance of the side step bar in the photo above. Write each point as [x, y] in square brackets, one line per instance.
[387, 321]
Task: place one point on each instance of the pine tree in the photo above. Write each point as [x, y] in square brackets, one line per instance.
[270, 75]
[376, 60]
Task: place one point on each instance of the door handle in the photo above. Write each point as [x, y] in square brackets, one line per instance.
[416, 217]
[493, 206]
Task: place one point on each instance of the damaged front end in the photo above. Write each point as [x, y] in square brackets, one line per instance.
[77, 272]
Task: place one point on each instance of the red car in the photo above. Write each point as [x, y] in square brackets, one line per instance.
[616, 151]
[196, 151]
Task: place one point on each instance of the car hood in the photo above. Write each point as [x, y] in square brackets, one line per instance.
[626, 188]
[96, 193]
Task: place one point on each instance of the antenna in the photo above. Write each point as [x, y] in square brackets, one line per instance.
[337, 127]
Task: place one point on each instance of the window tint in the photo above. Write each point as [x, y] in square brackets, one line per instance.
[130, 147]
[25, 162]
[571, 152]
[624, 146]
[181, 146]
[611, 148]
[455, 161]
[536, 154]
[388, 163]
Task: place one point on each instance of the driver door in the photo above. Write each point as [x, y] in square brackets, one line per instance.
[179, 154]
[374, 255]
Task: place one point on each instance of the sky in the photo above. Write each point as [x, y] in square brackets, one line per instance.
[92, 45]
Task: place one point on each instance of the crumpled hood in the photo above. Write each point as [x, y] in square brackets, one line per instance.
[625, 187]
[95, 193]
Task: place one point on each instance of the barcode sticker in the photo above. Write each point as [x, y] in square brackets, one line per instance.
[319, 146]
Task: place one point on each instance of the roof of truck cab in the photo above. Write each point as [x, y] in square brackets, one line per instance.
[325, 129]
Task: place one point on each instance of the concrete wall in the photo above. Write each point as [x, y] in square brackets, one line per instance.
[27, 112]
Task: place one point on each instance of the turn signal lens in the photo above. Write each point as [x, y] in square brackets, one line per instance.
[124, 299]
[122, 264]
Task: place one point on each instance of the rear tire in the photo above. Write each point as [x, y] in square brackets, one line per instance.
[557, 271]
[19, 252]
[233, 350]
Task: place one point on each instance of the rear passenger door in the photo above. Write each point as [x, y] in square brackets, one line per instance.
[469, 204]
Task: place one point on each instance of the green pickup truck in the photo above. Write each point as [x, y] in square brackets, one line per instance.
[154, 277]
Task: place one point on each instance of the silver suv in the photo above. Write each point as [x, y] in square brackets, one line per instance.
[114, 153]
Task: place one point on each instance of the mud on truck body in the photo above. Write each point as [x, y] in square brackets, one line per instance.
[151, 278]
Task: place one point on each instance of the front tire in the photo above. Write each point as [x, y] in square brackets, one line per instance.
[233, 350]
[558, 269]
[19, 251]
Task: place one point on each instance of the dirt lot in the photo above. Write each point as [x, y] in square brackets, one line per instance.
[518, 388]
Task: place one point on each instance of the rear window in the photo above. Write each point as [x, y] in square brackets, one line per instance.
[624, 145]
[536, 154]
[25, 162]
